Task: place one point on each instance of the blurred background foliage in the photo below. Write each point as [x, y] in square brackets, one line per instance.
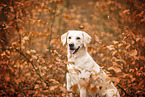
[33, 60]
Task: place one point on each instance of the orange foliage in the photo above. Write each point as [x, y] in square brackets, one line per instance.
[33, 60]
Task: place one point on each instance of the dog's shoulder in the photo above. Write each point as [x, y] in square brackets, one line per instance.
[87, 63]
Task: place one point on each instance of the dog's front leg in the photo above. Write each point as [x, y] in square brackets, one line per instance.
[68, 85]
[83, 92]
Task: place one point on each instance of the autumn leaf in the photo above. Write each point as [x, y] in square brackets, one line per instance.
[115, 79]
[63, 89]
[117, 70]
[126, 11]
[142, 83]
[134, 14]
[92, 88]
[75, 87]
[142, 58]
[52, 88]
[110, 47]
[7, 77]
[133, 53]
[97, 39]
[36, 87]
[100, 86]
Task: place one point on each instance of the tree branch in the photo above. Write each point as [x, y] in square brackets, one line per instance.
[53, 19]
[17, 28]
[32, 65]
[123, 90]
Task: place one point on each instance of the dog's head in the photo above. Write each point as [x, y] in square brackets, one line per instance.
[75, 40]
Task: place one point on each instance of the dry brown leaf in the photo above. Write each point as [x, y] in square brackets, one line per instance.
[93, 88]
[126, 11]
[100, 86]
[133, 53]
[7, 77]
[36, 87]
[12, 90]
[63, 89]
[108, 79]
[110, 47]
[54, 81]
[141, 83]
[115, 42]
[94, 77]
[121, 60]
[117, 70]
[128, 76]
[142, 58]
[114, 52]
[97, 39]
[52, 88]
[75, 87]
[115, 79]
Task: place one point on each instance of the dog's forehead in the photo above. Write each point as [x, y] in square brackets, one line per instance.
[75, 33]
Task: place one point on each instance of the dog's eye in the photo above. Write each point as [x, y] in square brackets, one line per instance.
[69, 37]
[78, 38]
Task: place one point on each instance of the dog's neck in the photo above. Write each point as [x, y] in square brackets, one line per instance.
[78, 55]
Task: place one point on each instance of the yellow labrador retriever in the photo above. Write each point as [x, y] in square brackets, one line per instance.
[82, 67]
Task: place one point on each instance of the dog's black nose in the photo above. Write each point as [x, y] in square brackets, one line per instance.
[71, 45]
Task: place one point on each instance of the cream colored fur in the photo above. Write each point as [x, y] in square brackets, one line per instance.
[83, 66]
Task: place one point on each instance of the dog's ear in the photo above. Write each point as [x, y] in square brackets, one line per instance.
[87, 39]
[64, 38]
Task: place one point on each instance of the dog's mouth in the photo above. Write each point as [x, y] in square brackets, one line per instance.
[73, 51]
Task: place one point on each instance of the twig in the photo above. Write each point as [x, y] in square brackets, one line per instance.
[31, 85]
[15, 18]
[17, 28]
[123, 90]
[32, 66]
[53, 19]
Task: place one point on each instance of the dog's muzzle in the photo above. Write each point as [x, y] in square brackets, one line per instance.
[72, 50]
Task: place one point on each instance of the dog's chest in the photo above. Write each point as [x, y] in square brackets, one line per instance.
[78, 72]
